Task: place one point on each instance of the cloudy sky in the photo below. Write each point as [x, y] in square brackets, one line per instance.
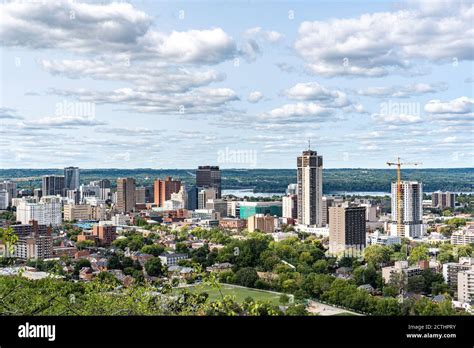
[163, 84]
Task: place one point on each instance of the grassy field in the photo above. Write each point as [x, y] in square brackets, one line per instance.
[240, 293]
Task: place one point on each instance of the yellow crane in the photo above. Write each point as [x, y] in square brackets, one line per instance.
[399, 164]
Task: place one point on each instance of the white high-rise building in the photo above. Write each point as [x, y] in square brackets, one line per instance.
[4, 198]
[46, 212]
[310, 188]
[289, 204]
[411, 209]
[11, 188]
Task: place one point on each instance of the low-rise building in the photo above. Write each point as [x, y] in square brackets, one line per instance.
[463, 237]
[172, 259]
[388, 273]
[232, 224]
[263, 223]
[452, 269]
[466, 286]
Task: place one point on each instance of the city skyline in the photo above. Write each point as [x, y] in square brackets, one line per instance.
[177, 85]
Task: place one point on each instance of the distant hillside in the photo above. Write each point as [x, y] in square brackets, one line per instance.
[276, 180]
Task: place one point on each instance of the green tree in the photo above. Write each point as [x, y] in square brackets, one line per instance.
[419, 253]
[377, 255]
[154, 267]
[320, 266]
[246, 276]
[153, 249]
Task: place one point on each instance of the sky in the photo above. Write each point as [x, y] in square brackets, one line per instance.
[239, 84]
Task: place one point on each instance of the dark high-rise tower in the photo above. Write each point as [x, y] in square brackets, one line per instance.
[310, 188]
[125, 195]
[71, 178]
[209, 177]
[53, 185]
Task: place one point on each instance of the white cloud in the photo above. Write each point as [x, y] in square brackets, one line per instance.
[8, 114]
[65, 121]
[255, 97]
[115, 28]
[301, 112]
[146, 76]
[396, 119]
[461, 105]
[271, 36]
[315, 91]
[196, 101]
[402, 91]
[373, 45]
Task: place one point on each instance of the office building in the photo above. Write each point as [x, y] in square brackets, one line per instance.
[52, 185]
[11, 189]
[209, 177]
[192, 195]
[262, 223]
[104, 188]
[125, 195]
[443, 200]
[326, 203]
[347, 229]
[292, 189]
[289, 206]
[310, 187]
[73, 196]
[71, 178]
[218, 205]
[247, 209]
[164, 189]
[38, 193]
[411, 209]
[140, 195]
[204, 195]
[77, 212]
[4, 199]
[46, 212]
[88, 191]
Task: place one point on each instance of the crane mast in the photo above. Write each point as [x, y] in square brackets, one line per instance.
[400, 229]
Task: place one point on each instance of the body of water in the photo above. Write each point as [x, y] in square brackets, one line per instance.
[250, 193]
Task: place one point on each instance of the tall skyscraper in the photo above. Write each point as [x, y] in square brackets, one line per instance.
[164, 189]
[53, 185]
[310, 188]
[192, 193]
[411, 209]
[71, 178]
[10, 188]
[209, 177]
[347, 228]
[125, 195]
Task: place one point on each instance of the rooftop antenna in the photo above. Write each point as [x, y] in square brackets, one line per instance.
[309, 144]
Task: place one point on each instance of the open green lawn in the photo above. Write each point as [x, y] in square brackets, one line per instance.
[240, 293]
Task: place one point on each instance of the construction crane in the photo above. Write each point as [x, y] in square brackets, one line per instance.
[399, 164]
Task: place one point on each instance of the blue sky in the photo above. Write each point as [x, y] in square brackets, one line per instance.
[237, 84]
